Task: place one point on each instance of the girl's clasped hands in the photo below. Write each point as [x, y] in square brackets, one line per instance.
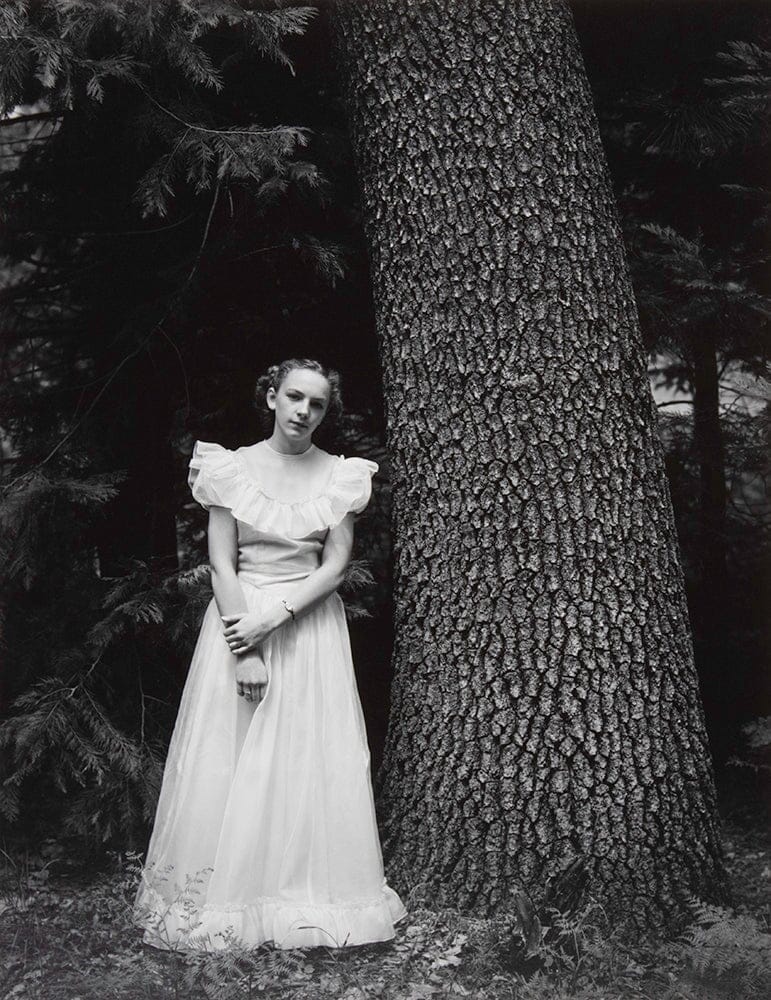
[244, 633]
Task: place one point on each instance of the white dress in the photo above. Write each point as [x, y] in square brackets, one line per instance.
[265, 828]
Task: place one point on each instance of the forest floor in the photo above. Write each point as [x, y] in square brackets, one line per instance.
[66, 934]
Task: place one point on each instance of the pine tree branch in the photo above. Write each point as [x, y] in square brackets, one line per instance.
[277, 130]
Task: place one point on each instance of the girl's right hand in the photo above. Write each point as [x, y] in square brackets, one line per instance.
[251, 676]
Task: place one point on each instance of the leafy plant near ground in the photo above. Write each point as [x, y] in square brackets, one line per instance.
[756, 754]
[63, 934]
[729, 951]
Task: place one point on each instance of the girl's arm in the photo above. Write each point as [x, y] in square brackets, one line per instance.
[251, 629]
[251, 673]
[324, 581]
[223, 559]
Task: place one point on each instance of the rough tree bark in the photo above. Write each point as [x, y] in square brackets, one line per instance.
[545, 702]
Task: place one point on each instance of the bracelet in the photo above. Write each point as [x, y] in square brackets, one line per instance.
[289, 608]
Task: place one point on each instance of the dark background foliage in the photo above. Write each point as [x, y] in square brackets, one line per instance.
[180, 211]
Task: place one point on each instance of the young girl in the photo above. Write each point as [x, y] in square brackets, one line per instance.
[265, 828]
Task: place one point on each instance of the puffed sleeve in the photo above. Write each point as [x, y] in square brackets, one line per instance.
[352, 486]
[213, 475]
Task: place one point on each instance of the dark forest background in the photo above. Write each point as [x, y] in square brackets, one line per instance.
[179, 211]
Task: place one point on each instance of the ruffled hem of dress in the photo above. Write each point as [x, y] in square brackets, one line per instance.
[217, 478]
[180, 926]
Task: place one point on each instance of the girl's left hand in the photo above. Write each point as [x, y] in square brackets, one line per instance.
[246, 630]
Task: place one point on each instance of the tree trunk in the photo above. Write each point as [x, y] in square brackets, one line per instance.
[545, 702]
[709, 607]
[708, 440]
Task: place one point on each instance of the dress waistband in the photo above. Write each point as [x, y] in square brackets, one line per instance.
[256, 578]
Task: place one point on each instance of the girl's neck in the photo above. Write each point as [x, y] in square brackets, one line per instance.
[281, 446]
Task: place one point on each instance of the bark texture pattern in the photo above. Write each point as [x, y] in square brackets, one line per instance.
[545, 702]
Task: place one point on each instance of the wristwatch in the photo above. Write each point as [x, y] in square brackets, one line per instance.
[289, 608]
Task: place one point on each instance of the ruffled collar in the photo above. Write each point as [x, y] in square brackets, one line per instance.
[219, 477]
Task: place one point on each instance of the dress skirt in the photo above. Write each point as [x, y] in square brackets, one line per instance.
[265, 828]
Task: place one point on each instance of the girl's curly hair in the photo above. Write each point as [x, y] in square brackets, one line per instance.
[276, 374]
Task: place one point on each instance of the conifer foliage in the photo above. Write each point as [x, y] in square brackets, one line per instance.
[138, 161]
[60, 51]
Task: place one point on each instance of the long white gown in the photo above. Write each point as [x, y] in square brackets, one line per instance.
[265, 828]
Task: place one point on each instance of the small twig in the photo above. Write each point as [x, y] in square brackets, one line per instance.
[91, 669]
[207, 227]
[121, 364]
[253, 253]
[182, 369]
[219, 131]
[142, 702]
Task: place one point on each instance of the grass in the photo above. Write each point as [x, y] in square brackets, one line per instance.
[65, 934]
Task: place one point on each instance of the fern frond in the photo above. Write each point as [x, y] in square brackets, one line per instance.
[729, 947]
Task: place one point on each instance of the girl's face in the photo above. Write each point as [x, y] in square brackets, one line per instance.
[299, 403]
